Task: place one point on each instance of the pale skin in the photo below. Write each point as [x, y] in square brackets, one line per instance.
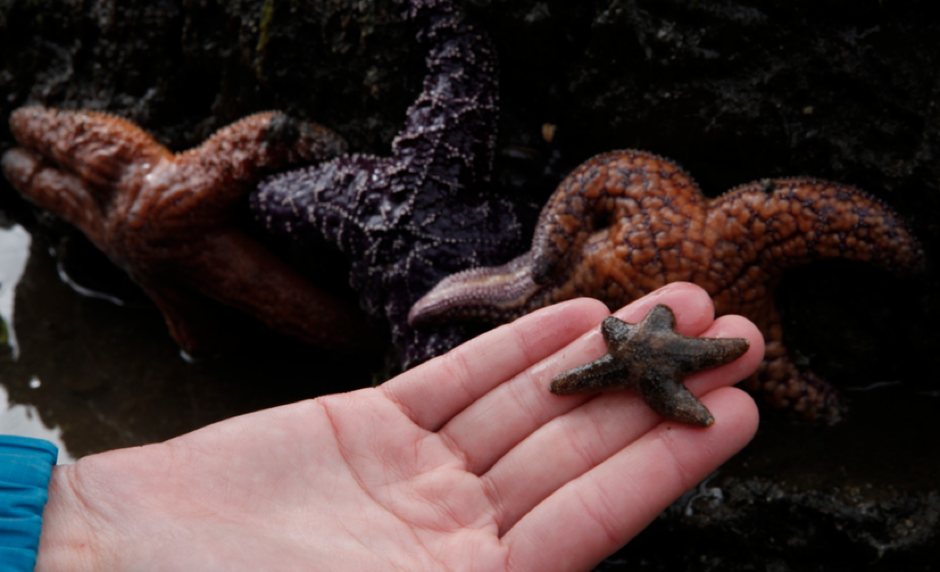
[467, 462]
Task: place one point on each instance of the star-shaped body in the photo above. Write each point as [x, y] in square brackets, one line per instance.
[626, 223]
[652, 359]
[407, 221]
[169, 219]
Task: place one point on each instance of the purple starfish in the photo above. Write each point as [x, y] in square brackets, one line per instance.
[409, 220]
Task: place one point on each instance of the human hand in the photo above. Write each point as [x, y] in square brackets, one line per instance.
[467, 462]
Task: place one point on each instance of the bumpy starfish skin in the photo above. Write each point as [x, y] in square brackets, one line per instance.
[168, 219]
[408, 220]
[652, 359]
[625, 223]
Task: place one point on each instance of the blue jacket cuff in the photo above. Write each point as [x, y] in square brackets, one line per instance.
[25, 468]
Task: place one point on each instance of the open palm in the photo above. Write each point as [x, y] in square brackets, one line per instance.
[464, 463]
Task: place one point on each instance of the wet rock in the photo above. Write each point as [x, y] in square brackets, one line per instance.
[809, 498]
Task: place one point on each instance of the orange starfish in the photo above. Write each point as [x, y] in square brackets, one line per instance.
[168, 219]
[625, 223]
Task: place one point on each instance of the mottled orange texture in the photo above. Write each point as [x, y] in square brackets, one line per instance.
[168, 220]
[627, 222]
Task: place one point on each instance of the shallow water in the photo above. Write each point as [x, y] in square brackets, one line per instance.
[14, 252]
[96, 376]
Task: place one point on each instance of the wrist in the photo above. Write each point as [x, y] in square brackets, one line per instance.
[66, 542]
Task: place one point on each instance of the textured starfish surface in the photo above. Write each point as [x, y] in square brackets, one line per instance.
[652, 359]
[408, 220]
[168, 219]
[625, 223]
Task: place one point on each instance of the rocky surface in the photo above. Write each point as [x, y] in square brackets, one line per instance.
[733, 91]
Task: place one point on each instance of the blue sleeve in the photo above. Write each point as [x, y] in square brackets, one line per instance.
[25, 468]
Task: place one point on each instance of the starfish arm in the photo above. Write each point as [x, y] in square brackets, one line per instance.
[98, 148]
[239, 272]
[616, 332]
[228, 165]
[617, 186]
[784, 386]
[58, 192]
[491, 294]
[697, 354]
[337, 201]
[661, 317]
[450, 131]
[620, 186]
[603, 374]
[769, 226]
[667, 396]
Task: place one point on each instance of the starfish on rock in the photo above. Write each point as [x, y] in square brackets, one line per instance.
[625, 223]
[169, 220]
[652, 359]
[409, 220]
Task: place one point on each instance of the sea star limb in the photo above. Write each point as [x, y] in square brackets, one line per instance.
[168, 219]
[652, 359]
[408, 220]
[625, 223]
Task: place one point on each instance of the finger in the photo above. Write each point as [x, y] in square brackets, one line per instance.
[511, 412]
[606, 507]
[573, 444]
[432, 393]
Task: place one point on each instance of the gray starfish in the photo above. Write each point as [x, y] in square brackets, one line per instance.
[652, 359]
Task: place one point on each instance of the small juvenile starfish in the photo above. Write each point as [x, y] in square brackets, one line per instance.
[169, 220]
[409, 220]
[652, 359]
[625, 223]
